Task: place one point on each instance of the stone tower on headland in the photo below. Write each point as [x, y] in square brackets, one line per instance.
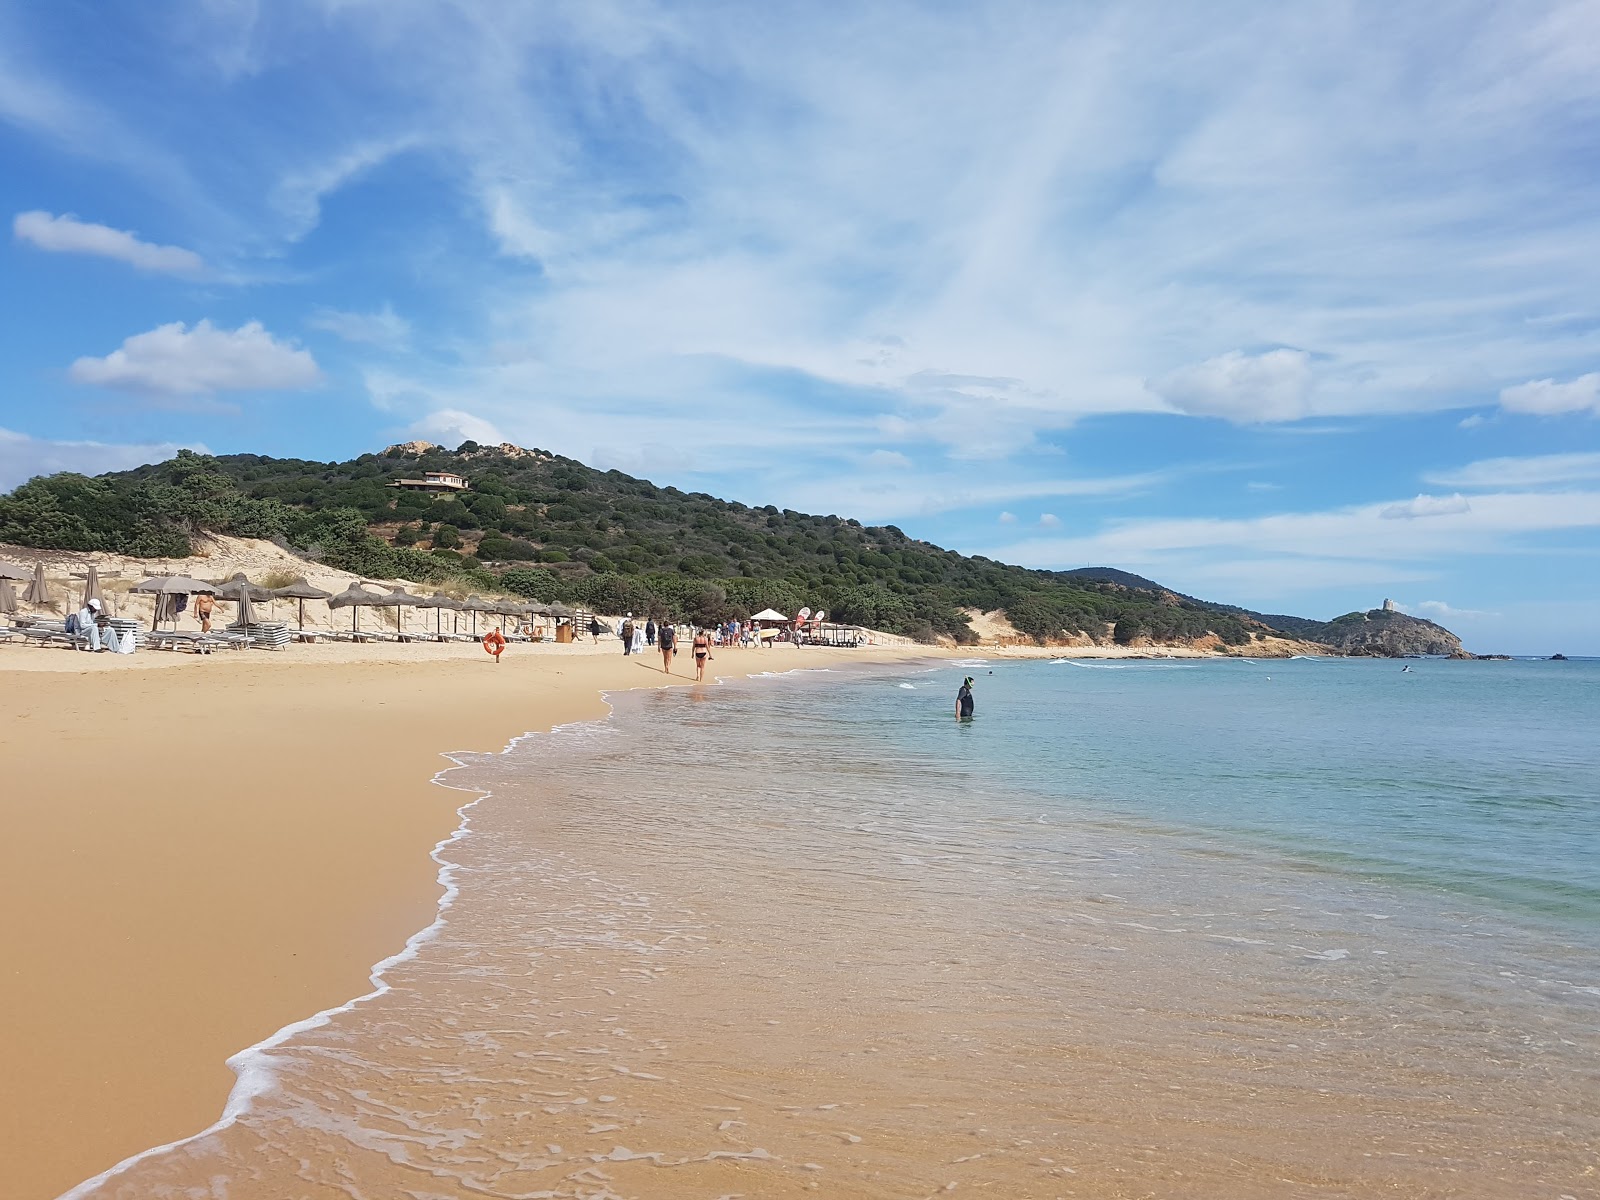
[1388, 606]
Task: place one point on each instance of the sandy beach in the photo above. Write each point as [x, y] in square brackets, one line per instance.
[205, 849]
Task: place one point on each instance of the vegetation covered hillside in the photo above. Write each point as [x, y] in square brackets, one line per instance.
[551, 528]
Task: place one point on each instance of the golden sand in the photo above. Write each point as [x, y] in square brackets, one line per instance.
[203, 850]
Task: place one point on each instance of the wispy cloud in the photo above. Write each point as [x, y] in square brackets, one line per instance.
[1525, 471]
[1438, 610]
[1547, 397]
[385, 328]
[68, 235]
[1362, 533]
[22, 457]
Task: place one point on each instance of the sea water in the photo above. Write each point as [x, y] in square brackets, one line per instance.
[1143, 928]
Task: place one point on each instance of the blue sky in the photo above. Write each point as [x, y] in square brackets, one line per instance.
[1293, 306]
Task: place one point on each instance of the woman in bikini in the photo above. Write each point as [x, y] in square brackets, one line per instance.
[702, 651]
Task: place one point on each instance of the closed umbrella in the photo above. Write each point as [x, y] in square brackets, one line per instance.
[354, 598]
[243, 593]
[302, 591]
[8, 597]
[37, 593]
[91, 587]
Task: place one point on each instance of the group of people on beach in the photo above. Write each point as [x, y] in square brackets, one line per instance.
[636, 637]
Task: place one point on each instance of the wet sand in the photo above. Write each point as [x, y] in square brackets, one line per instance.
[203, 850]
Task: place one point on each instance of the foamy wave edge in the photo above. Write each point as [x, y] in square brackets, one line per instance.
[252, 1067]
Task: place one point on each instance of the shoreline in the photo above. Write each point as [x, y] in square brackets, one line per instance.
[225, 845]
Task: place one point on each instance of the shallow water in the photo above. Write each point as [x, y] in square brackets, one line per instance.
[1216, 929]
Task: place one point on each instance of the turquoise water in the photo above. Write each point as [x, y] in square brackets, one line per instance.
[1477, 778]
[1215, 929]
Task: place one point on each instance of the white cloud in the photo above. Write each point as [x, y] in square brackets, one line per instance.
[1256, 485]
[1547, 397]
[887, 460]
[385, 328]
[1425, 506]
[68, 235]
[174, 360]
[1274, 386]
[1359, 533]
[450, 427]
[1008, 518]
[1438, 610]
[22, 457]
[1527, 471]
[1049, 521]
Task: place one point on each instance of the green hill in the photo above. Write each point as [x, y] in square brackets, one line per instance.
[551, 528]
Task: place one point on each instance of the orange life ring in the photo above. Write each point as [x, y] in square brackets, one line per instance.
[494, 642]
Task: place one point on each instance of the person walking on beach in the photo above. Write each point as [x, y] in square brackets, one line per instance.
[964, 700]
[702, 651]
[638, 639]
[667, 638]
[203, 606]
[626, 634]
[595, 629]
[650, 632]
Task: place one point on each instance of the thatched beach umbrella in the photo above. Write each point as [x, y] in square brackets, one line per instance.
[398, 599]
[475, 606]
[12, 571]
[37, 593]
[302, 591]
[355, 597]
[172, 585]
[438, 602]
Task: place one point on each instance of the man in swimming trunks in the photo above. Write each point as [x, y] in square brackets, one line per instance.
[964, 701]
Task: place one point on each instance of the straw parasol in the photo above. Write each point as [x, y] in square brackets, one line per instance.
[559, 609]
[243, 593]
[8, 597]
[355, 597]
[172, 585]
[475, 606]
[12, 571]
[398, 599]
[302, 591]
[438, 602]
[37, 593]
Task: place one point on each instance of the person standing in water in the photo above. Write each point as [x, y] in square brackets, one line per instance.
[964, 701]
[702, 651]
